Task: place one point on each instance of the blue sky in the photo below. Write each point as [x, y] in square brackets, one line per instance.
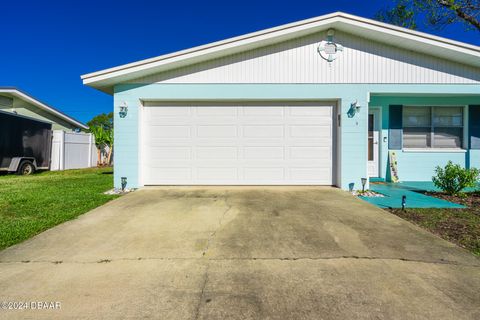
[47, 45]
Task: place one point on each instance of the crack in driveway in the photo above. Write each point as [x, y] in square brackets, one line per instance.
[202, 292]
[209, 242]
[345, 257]
[220, 221]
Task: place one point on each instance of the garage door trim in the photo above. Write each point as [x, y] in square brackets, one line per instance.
[334, 140]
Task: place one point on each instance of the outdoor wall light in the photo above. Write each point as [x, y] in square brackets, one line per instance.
[124, 183]
[364, 182]
[123, 110]
[351, 186]
[354, 109]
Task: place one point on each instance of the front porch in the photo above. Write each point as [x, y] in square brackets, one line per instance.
[422, 131]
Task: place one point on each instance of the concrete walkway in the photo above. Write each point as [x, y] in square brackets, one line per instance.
[240, 253]
[393, 193]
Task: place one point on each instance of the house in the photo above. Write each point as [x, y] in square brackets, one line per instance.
[70, 146]
[16, 101]
[323, 101]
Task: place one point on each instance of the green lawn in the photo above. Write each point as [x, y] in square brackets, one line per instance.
[32, 204]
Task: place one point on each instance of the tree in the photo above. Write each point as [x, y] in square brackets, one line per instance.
[443, 12]
[109, 141]
[101, 126]
[99, 134]
[105, 120]
[437, 13]
[400, 15]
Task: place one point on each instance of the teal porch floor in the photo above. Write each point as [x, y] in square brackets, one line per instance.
[428, 186]
[393, 193]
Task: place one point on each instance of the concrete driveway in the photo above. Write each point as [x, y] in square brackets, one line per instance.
[241, 253]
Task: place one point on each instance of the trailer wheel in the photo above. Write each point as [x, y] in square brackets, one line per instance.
[26, 168]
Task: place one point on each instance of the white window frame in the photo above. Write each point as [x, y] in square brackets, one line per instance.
[463, 148]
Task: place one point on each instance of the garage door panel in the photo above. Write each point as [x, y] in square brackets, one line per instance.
[310, 111]
[216, 112]
[315, 131]
[166, 111]
[308, 152]
[313, 121]
[308, 163]
[170, 174]
[310, 174]
[256, 142]
[306, 142]
[259, 111]
[229, 144]
[217, 174]
[218, 152]
[216, 131]
[263, 131]
[263, 152]
[261, 121]
[166, 131]
[264, 174]
[170, 153]
[215, 142]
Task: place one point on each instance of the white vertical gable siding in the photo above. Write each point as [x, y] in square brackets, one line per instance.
[297, 61]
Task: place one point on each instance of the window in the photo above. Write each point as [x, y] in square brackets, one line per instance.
[432, 127]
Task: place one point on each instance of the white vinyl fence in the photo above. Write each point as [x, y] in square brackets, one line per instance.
[72, 150]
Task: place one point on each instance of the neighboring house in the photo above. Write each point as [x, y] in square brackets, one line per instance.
[317, 102]
[71, 148]
[18, 102]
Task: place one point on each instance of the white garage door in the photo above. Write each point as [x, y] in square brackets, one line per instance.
[237, 145]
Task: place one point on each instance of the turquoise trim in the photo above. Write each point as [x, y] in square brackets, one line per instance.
[393, 193]
[353, 149]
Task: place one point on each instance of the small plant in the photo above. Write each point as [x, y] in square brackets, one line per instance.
[360, 192]
[452, 179]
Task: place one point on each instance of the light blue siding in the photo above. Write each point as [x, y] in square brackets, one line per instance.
[474, 159]
[126, 140]
[421, 166]
[353, 130]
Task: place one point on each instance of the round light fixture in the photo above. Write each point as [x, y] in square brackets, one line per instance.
[328, 49]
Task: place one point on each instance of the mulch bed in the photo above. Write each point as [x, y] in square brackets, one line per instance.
[461, 226]
[472, 200]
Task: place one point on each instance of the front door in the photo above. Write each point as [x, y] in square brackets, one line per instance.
[373, 137]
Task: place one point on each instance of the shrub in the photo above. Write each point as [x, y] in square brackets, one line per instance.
[453, 178]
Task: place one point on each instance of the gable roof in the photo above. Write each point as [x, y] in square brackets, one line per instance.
[104, 80]
[17, 93]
